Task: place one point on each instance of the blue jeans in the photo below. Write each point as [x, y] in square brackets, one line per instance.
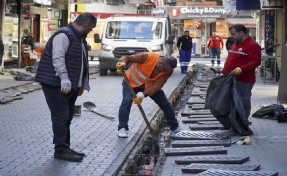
[159, 98]
[184, 59]
[62, 111]
[213, 52]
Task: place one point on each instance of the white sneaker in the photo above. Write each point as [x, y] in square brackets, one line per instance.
[123, 133]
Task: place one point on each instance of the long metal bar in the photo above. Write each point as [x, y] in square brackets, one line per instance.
[139, 105]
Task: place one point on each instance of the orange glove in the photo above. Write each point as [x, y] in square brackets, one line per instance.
[81, 91]
[139, 98]
[237, 71]
[120, 65]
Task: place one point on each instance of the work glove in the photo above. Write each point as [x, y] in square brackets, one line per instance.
[66, 86]
[139, 98]
[237, 71]
[81, 91]
[120, 65]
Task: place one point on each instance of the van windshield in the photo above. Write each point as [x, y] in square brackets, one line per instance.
[134, 30]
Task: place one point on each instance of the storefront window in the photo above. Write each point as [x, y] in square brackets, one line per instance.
[10, 31]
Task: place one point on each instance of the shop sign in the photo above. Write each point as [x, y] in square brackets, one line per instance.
[271, 4]
[191, 12]
[38, 10]
[158, 11]
[81, 8]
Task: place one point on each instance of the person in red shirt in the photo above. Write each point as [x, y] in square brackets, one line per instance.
[243, 58]
[214, 47]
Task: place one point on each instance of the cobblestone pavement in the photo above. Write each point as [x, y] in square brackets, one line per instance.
[268, 144]
[26, 133]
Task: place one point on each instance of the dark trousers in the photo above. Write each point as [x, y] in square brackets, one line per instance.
[62, 110]
[215, 52]
[159, 98]
[184, 59]
[244, 89]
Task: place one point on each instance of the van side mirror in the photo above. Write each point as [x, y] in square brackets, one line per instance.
[170, 39]
[97, 38]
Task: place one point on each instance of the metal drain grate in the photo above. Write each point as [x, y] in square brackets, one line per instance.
[194, 151]
[197, 143]
[200, 135]
[236, 173]
[196, 168]
[212, 159]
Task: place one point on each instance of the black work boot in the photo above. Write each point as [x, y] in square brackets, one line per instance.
[75, 152]
[78, 153]
[66, 154]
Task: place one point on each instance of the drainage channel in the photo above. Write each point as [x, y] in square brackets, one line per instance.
[147, 158]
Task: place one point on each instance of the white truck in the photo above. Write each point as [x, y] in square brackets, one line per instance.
[127, 35]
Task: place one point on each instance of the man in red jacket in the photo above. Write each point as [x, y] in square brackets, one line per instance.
[214, 47]
[243, 58]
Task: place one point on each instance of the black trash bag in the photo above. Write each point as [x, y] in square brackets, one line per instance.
[218, 99]
[19, 76]
[282, 117]
[225, 103]
[268, 111]
[281, 114]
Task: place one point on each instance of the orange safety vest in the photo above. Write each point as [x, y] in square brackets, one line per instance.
[139, 74]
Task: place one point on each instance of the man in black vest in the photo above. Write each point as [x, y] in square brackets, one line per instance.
[63, 73]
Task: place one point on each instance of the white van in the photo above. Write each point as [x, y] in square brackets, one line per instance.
[127, 35]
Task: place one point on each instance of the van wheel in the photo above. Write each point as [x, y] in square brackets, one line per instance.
[103, 72]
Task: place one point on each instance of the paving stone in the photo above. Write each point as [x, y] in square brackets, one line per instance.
[196, 143]
[201, 116]
[195, 100]
[195, 151]
[207, 127]
[236, 173]
[199, 167]
[212, 159]
[197, 120]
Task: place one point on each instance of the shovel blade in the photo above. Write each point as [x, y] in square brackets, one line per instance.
[93, 108]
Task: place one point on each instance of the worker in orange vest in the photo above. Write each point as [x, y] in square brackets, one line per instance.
[214, 47]
[148, 74]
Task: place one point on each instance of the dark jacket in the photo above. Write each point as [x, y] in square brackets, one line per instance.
[73, 59]
[184, 43]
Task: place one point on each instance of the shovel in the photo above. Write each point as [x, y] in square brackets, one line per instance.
[139, 106]
[93, 108]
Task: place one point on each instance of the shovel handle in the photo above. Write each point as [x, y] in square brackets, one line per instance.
[139, 105]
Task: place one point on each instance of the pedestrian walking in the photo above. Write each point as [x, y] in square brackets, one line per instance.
[214, 47]
[147, 75]
[184, 45]
[243, 58]
[229, 42]
[63, 73]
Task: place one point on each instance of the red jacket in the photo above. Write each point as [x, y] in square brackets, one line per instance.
[214, 42]
[247, 56]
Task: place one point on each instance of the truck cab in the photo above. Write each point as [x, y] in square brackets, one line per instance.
[128, 35]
